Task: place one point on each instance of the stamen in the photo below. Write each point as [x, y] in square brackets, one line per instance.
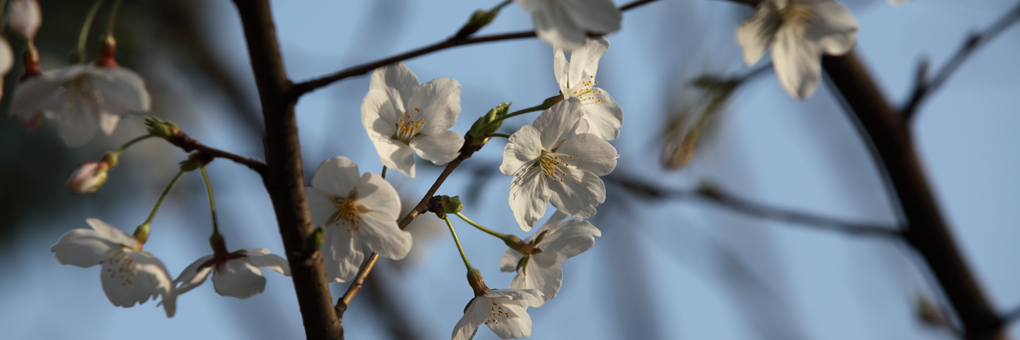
[553, 166]
[407, 127]
[347, 213]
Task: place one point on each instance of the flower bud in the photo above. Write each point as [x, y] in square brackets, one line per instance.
[24, 17]
[452, 205]
[161, 128]
[90, 176]
[474, 278]
[107, 48]
[480, 129]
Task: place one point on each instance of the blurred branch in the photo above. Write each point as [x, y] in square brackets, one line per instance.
[314, 84]
[731, 202]
[1012, 315]
[465, 152]
[185, 142]
[283, 178]
[975, 40]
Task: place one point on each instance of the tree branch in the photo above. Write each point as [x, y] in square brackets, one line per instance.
[314, 84]
[733, 203]
[465, 152]
[185, 142]
[977, 39]
[283, 177]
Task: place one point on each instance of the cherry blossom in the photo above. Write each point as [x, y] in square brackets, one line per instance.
[601, 115]
[404, 117]
[234, 274]
[88, 178]
[561, 239]
[551, 164]
[798, 31]
[354, 210]
[129, 275]
[24, 17]
[565, 24]
[84, 98]
[505, 311]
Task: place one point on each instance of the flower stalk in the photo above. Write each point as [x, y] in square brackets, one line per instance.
[78, 57]
[142, 232]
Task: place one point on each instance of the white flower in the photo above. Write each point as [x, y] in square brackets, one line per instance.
[601, 115]
[24, 17]
[235, 274]
[505, 311]
[551, 164]
[563, 240]
[129, 275]
[897, 3]
[354, 210]
[403, 117]
[566, 23]
[84, 98]
[6, 61]
[798, 31]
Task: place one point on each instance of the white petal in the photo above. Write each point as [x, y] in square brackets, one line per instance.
[555, 27]
[260, 257]
[111, 233]
[756, 34]
[78, 126]
[320, 205]
[122, 89]
[438, 147]
[603, 116]
[561, 70]
[337, 176]
[397, 77]
[578, 198]
[522, 295]
[532, 5]
[566, 240]
[439, 102]
[833, 27]
[529, 196]
[6, 56]
[382, 235]
[379, 112]
[341, 253]
[239, 279]
[108, 122]
[558, 122]
[83, 248]
[584, 61]
[513, 323]
[590, 153]
[524, 147]
[544, 278]
[475, 314]
[376, 194]
[35, 94]
[130, 277]
[508, 263]
[24, 17]
[595, 16]
[193, 275]
[395, 155]
[797, 63]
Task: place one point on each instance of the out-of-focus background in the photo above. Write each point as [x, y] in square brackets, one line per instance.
[663, 268]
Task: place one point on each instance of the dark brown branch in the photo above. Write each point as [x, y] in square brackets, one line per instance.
[926, 231]
[924, 88]
[731, 202]
[185, 142]
[283, 177]
[423, 206]
[313, 84]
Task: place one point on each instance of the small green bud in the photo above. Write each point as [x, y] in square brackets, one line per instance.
[482, 128]
[522, 265]
[315, 240]
[477, 283]
[453, 205]
[161, 128]
[142, 233]
[111, 159]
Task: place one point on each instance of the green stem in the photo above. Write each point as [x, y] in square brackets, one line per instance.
[495, 121]
[163, 196]
[79, 55]
[497, 8]
[384, 172]
[132, 142]
[480, 227]
[499, 135]
[457, 241]
[3, 13]
[212, 203]
[113, 18]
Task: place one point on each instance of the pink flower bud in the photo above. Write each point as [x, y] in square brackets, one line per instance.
[25, 17]
[88, 178]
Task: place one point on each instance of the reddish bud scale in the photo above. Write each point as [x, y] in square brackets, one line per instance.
[107, 49]
[30, 59]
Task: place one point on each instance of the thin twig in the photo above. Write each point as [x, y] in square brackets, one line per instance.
[974, 41]
[731, 202]
[314, 84]
[188, 144]
[1011, 315]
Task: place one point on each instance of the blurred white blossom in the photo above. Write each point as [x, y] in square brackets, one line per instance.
[562, 240]
[565, 24]
[600, 114]
[235, 274]
[505, 311]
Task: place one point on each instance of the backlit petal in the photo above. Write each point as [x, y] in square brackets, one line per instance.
[376, 194]
[260, 257]
[558, 122]
[193, 276]
[524, 147]
[797, 62]
[341, 253]
[439, 102]
[438, 147]
[337, 176]
[382, 235]
[590, 153]
[529, 196]
[578, 198]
